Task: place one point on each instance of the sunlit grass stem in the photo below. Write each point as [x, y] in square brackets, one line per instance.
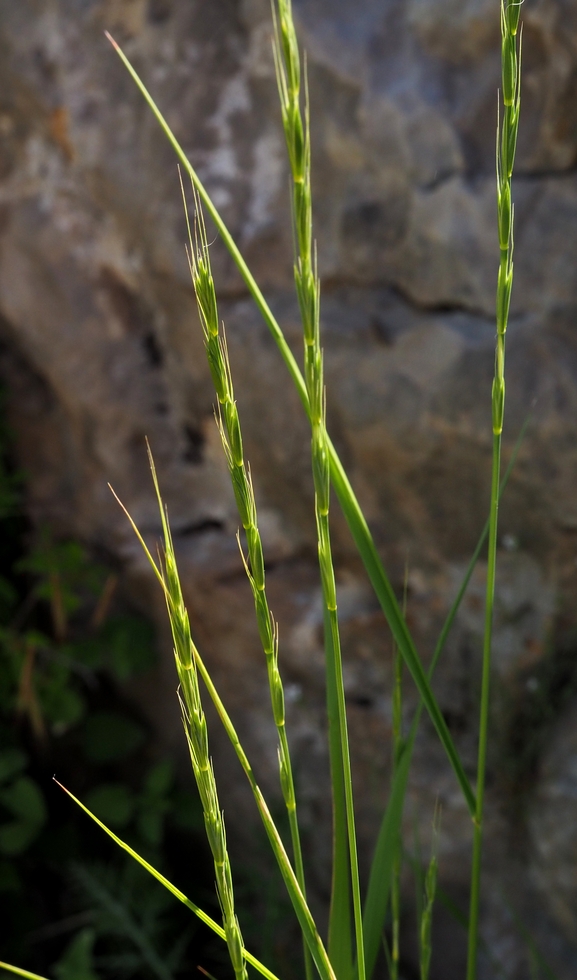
[506, 145]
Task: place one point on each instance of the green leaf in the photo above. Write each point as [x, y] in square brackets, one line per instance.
[77, 961]
[150, 825]
[61, 704]
[154, 803]
[124, 645]
[113, 803]
[129, 643]
[12, 761]
[159, 779]
[17, 836]
[109, 736]
[25, 801]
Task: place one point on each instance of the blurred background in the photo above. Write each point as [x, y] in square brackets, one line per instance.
[100, 347]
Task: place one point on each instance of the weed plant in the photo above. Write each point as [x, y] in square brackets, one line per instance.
[358, 923]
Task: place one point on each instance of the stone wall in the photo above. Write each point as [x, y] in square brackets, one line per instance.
[101, 347]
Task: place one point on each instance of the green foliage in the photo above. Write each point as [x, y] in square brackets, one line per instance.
[66, 644]
[77, 960]
[109, 736]
[24, 801]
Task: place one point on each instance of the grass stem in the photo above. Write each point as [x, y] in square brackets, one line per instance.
[507, 129]
[297, 135]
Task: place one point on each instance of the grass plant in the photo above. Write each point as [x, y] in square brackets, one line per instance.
[356, 929]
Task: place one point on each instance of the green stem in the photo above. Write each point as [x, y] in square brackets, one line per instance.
[484, 721]
[506, 147]
[294, 829]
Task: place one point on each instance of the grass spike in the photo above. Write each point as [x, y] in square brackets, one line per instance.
[297, 137]
[196, 732]
[230, 432]
[506, 144]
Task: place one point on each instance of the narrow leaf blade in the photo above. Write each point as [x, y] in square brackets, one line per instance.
[339, 939]
[263, 970]
[382, 864]
[19, 972]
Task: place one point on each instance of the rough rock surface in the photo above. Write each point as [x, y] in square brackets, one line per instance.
[102, 347]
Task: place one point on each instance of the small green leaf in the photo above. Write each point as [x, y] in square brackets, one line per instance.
[77, 961]
[61, 705]
[113, 803]
[12, 761]
[109, 736]
[16, 837]
[25, 801]
[150, 826]
[130, 646]
[159, 779]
